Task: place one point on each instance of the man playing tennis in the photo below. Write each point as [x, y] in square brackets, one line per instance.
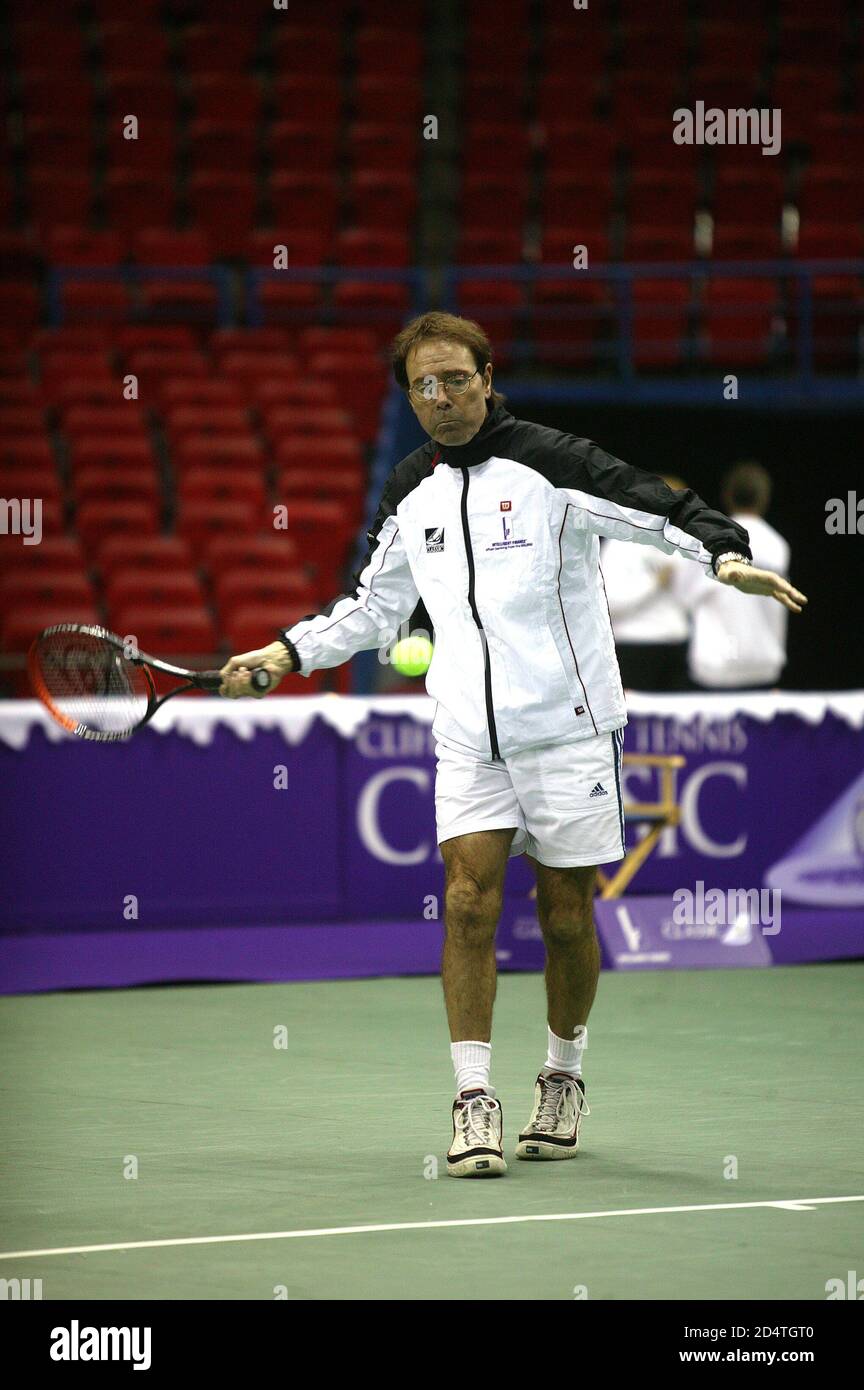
[495, 523]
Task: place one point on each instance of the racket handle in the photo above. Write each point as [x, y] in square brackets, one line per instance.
[212, 680]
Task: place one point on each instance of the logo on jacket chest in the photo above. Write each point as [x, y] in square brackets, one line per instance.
[434, 538]
[509, 537]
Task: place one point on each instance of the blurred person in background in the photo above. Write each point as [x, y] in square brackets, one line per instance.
[735, 644]
[649, 619]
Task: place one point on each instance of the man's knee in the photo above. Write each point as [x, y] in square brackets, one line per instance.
[471, 909]
[565, 905]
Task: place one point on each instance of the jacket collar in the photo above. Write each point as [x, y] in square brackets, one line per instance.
[491, 438]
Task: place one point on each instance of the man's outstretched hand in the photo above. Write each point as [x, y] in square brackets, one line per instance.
[236, 672]
[753, 581]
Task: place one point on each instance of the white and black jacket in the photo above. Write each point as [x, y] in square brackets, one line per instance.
[500, 538]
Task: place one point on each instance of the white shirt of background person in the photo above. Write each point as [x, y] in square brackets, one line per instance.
[733, 643]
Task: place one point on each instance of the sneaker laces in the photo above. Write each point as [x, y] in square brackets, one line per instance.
[554, 1094]
[475, 1120]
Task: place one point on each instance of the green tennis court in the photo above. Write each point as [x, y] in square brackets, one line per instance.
[689, 1075]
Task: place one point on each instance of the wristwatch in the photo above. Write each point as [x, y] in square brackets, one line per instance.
[727, 556]
[291, 649]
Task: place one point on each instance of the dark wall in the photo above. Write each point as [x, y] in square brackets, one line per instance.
[811, 457]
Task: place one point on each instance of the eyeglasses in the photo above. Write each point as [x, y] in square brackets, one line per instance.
[454, 383]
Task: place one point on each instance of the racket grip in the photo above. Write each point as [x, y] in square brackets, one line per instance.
[212, 680]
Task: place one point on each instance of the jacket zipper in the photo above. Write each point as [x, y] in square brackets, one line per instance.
[490, 713]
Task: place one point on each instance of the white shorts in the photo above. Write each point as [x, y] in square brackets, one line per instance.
[564, 799]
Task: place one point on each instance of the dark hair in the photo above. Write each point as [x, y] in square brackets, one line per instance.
[441, 325]
[747, 487]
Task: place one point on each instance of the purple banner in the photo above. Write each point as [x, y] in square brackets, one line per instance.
[168, 832]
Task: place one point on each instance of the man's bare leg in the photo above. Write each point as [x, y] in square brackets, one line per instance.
[474, 867]
[565, 908]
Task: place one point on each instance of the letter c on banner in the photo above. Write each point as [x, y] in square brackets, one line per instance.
[367, 815]
[690, 821]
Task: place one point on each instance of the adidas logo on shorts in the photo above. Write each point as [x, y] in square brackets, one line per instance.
[599, 790]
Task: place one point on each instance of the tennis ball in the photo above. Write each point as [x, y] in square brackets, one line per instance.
[411, 656]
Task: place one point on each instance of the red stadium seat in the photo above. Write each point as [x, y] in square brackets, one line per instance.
[302, 49]
[165, 247]
[94, 520]
[172, 588]
[226, 143]
[163, 631]
[86, 302]
[154, 366]
[738, 321]
[121, 451]
[386, 97]
[657, 196]
[299, 420]
[382, 199]
[291, 390]
[249, 364]
[25, 622]
[570, 321]
[323, 531]
[242, 588]
[341, 452]
[201, 392]
[159, 554]
[134, 198]
[198, 521]
[827, 190]
[752, 194]
[24, 588]
[383, 145]
[218, 47]
[152, 153]
[33, 480]
[659, 243]
[239, 451]
[21, 419]
[93, 483]
[490, 246]
[228, 554]
[329, 484]
[124, 42]
[754, 243]
[183, 420]
[224, 205]
[55, 554]
[256, 624]
[220, 485]
[293, 305]
[660, 321]
[124, 419]
[580, 198]
[75, 245]
[170, 336]
[217, 95]
[304, 98]
[290, 146]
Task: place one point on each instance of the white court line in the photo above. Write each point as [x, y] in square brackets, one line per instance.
[788, 1203]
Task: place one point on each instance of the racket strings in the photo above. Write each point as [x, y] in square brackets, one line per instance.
[89, 682]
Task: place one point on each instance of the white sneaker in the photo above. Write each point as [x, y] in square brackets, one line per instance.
[553, 1130]
[476, 1149]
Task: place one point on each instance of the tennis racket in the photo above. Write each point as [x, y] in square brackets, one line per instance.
[99, 687]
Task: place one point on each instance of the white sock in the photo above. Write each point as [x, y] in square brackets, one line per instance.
[471, 1063]
[566, 1055]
